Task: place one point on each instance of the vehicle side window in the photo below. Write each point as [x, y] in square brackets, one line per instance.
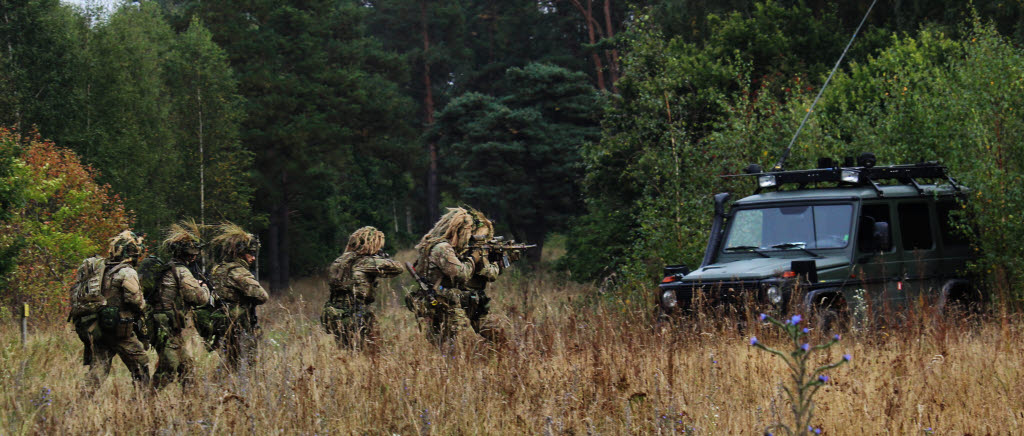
[915, 226]
[951, 236]
[869, 215]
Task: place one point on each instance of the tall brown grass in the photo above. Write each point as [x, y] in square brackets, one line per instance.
[575, 364]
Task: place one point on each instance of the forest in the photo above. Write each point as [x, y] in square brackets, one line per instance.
[598, 126]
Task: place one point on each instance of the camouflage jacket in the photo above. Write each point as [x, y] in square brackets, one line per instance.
[354, 274]
[234, 283]
[179, 289]
[121, 288]
[444, 265]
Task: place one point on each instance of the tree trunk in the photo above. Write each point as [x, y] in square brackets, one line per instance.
[588, 16]
[274, 250]
[535, 235]
[279, 241]
[613, 54]
[433, 196]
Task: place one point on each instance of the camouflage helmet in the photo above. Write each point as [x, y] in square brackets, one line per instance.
[234, 242]
[457, 226]
[365, 241]
[126, 245]
[183, 239]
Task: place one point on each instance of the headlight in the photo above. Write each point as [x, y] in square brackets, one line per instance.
[766, 181]
[774, 296]
[850, 176]
[668, 300]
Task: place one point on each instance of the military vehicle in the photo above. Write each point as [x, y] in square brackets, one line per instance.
[838, 236]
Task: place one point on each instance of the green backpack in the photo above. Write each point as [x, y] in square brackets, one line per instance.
[86, 296]
[151, 269]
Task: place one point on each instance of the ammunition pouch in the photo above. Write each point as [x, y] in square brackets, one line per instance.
[142, 331]
[111, 323]
[476, 304]
[164, 325]
[211, 323]
[421, 304]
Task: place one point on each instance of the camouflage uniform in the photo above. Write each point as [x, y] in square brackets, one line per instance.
[238, 293]
[121, 289]
[352, 280]
[178, 291]
[460, 282]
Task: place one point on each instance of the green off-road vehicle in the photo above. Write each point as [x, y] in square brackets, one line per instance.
[843, 238]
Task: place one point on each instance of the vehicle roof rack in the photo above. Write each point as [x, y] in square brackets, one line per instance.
[867, 175]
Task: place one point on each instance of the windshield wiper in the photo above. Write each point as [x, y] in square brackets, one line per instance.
[746, 248]
[800, 245]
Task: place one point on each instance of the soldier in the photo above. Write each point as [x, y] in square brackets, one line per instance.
[457, 275]
[237, 293]
[352, 279]
[104, 316]
[177, 292]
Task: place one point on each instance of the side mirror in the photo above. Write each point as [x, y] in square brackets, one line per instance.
[881, 237]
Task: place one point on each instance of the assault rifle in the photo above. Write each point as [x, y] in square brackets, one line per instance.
[499, 250]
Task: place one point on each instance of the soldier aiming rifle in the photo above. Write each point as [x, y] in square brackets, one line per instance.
[498, 250]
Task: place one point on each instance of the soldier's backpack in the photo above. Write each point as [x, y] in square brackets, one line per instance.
[150, 270]
[86, 293]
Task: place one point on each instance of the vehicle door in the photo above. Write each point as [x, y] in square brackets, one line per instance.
[918, 248]
[876, 268]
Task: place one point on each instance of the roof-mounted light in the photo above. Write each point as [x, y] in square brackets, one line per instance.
[850, 176]
[766, 181]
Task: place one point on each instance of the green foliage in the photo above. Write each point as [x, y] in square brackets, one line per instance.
[40, 66]
[652, 168]
[65, 217]
[325, 118]
[515, 157]
[206, 114]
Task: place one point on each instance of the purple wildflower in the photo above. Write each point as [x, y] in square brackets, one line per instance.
[764, 317]
[847, 357]
[823, 378]
[795, 319]
[753, 340]
[836, 337]
[805, 347]
[806, 330]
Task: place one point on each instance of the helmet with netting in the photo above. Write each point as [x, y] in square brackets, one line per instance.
[233, 242]
[126, 245]
[182, 239]
[366, 241]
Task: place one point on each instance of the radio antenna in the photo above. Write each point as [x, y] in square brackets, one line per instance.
[785, 154]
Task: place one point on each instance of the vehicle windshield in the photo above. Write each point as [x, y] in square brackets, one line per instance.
[790, 228]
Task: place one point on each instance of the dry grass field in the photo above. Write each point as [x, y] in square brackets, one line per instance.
[575, 364]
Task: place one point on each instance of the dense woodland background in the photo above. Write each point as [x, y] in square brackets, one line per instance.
[604, 122]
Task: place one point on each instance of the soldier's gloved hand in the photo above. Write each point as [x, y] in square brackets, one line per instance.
[479, 257]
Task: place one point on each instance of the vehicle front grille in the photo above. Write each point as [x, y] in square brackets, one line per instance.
[724, 292]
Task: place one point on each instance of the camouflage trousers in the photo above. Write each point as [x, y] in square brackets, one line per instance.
[231, 330]
[351, 322]
[447, 318]
[240, 344]
[174, 361]
[100, 348]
